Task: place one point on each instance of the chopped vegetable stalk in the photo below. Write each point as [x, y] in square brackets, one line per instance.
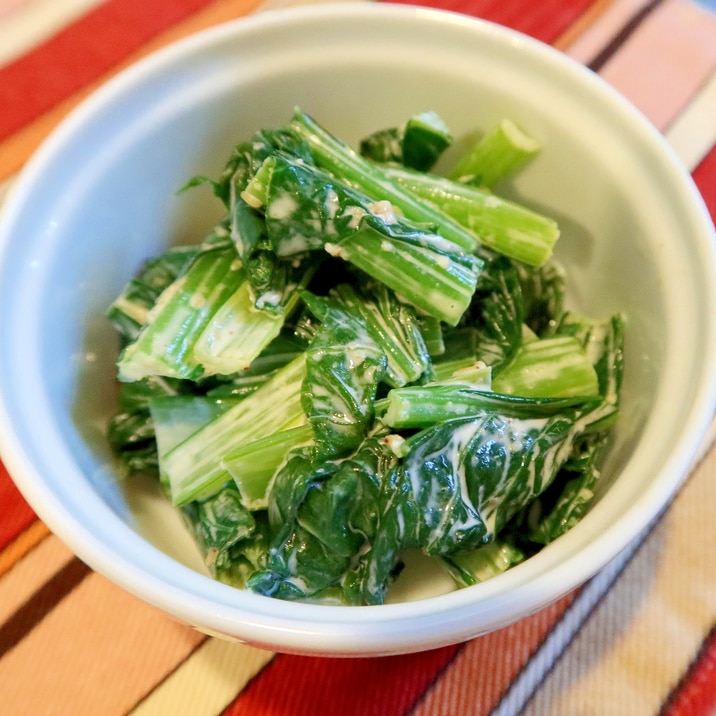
[237, 333]
[604, 345]
[194, 469]
[245, 323]
[425, 138]
[417, 144]
[338, 158]
[165, 344]
[306, 209]
[476, 375]
[128, 312]
[496, 156]
[432, 330]
[551, 367]
[440, 283]
[177, 417]
[504, 226]
[253, 464]
[603, 342]
[483, 563]
[423, 406]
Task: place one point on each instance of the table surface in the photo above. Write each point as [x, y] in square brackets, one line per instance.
[639, 638]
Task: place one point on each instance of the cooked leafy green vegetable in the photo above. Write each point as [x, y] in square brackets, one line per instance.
[499, 224]
[360, 359]
[417, 143]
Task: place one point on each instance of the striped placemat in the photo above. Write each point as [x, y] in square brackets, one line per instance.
[639, 638]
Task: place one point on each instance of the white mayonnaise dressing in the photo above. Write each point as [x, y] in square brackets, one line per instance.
[333, 249]
[296, 244]
[355, 214]
[269, 298]
[282, 207]
[384, 210]
[331, 204]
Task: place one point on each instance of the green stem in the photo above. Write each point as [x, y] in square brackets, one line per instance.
[503, 226]
[497, 155]
[337, 157]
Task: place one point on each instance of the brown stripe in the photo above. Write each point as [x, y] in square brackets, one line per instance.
[622, 36]
[22, 545]
[41, 603]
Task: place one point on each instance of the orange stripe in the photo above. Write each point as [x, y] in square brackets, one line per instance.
[26, 542]
[100, 651]
[501, 655]
[582, 24]
[18, 148]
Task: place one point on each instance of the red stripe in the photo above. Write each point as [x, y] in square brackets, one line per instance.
[705, 178]
[16, 513]
[82, 53]
[545, 20]
[306, 686]
[696, 694]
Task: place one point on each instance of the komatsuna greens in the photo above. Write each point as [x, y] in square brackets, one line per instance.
[364, 356]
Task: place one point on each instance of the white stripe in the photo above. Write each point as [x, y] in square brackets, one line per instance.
[526, 684]
[24, 26]
[693, 133]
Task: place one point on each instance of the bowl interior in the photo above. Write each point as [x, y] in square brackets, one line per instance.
[101, 196]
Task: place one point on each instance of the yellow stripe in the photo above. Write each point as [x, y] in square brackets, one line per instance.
[207, 682]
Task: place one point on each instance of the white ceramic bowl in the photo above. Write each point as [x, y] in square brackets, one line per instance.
[99, 197]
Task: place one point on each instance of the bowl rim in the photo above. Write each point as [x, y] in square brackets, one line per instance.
[308, 628]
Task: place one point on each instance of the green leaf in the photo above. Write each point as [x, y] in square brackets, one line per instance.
[344, 366]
